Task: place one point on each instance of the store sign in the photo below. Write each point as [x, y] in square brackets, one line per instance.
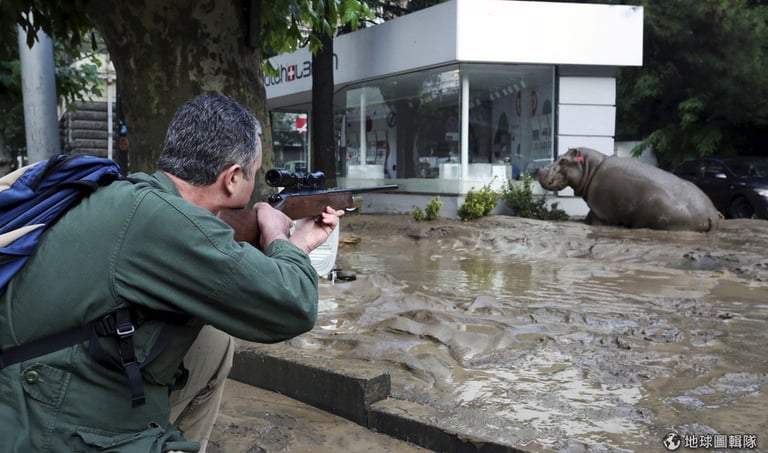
[293, 72]
[301, 124]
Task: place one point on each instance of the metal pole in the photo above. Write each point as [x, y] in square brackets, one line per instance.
[110, 122]
[38, 87]
[363, 128]
[464, 126]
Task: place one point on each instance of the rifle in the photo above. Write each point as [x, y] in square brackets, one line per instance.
[301, 197]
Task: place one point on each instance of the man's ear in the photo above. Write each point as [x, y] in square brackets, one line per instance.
[230, 177]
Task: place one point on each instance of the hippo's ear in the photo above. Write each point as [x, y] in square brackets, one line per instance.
[577, 155]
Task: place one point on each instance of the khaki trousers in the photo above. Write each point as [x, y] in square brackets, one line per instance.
[194, 408]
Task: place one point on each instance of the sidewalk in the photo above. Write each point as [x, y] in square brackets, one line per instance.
[253, 420]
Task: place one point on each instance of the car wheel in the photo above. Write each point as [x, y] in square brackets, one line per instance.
[741, 209]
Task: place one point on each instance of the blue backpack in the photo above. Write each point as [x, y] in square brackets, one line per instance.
[31, 200]
[33, 197]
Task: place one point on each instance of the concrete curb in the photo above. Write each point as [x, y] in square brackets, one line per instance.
[311, 382]
[360, 395]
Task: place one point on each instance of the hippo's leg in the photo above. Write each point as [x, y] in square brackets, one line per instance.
[594, 220]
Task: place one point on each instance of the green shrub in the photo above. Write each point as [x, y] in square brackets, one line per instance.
[520, 199]
[478, 203]
[433, 209]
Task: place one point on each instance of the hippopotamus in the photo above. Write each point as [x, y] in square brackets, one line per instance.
[623, 191]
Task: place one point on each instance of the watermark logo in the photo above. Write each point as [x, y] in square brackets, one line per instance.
[672, 441]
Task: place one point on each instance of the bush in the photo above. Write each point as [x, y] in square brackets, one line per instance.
[432, 210]
[478, 203]
[523, 203]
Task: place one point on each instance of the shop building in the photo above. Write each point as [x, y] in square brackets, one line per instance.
[462, 94]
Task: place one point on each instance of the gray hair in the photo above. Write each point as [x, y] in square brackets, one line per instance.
[207, 134]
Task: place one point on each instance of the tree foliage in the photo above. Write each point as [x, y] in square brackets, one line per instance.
[702, 88]
[287, 25]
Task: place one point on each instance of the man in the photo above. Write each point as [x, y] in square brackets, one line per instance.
[157, 246]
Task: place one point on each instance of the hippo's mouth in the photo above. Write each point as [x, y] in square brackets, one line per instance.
[554, 186]
[552, 179]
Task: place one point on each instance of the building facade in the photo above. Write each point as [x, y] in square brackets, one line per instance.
[463, 94]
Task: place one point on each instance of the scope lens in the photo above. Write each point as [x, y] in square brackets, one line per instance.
[278, 177]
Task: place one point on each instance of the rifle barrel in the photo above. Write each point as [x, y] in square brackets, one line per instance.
[365, 189]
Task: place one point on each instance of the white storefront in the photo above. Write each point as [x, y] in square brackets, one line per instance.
[466, 93]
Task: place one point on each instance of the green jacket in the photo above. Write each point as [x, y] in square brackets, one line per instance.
[133, 243]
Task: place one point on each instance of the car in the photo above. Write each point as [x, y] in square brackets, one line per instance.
[296, 166]
[737, 186]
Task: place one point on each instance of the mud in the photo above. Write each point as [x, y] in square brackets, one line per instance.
[253, 420]
[558, 336]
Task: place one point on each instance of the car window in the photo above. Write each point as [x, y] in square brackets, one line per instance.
[756, 168]
[714, 168]
[759, 168]
[694, 169]
[741, 168]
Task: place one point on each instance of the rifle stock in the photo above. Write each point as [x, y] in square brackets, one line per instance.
[244, 222]
[296, 205]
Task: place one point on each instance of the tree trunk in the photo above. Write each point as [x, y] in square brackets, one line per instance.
[6, 157]
[168, 52]
[323, 134]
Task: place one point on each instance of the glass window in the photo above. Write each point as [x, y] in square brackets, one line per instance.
[511, 117]
[410, 127]
[713, 169]
[403, 126]
[290, 139]
[692, 169]
[753, 166]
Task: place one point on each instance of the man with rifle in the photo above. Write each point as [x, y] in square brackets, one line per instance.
[149, 267]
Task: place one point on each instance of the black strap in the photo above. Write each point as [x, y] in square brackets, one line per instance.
[104, 326]
[121, 323]
[45, 345]
[125, 329]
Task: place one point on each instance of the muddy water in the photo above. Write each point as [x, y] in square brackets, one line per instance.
[559, 336]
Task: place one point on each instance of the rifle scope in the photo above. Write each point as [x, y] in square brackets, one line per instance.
[279, 177]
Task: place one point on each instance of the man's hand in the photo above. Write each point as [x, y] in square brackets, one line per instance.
[263, 224]
[273, 224]
[311, 232]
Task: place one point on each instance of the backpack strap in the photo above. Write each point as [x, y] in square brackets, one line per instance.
[121, 324]
[44, 346]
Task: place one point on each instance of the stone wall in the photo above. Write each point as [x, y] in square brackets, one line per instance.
[85, 130]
